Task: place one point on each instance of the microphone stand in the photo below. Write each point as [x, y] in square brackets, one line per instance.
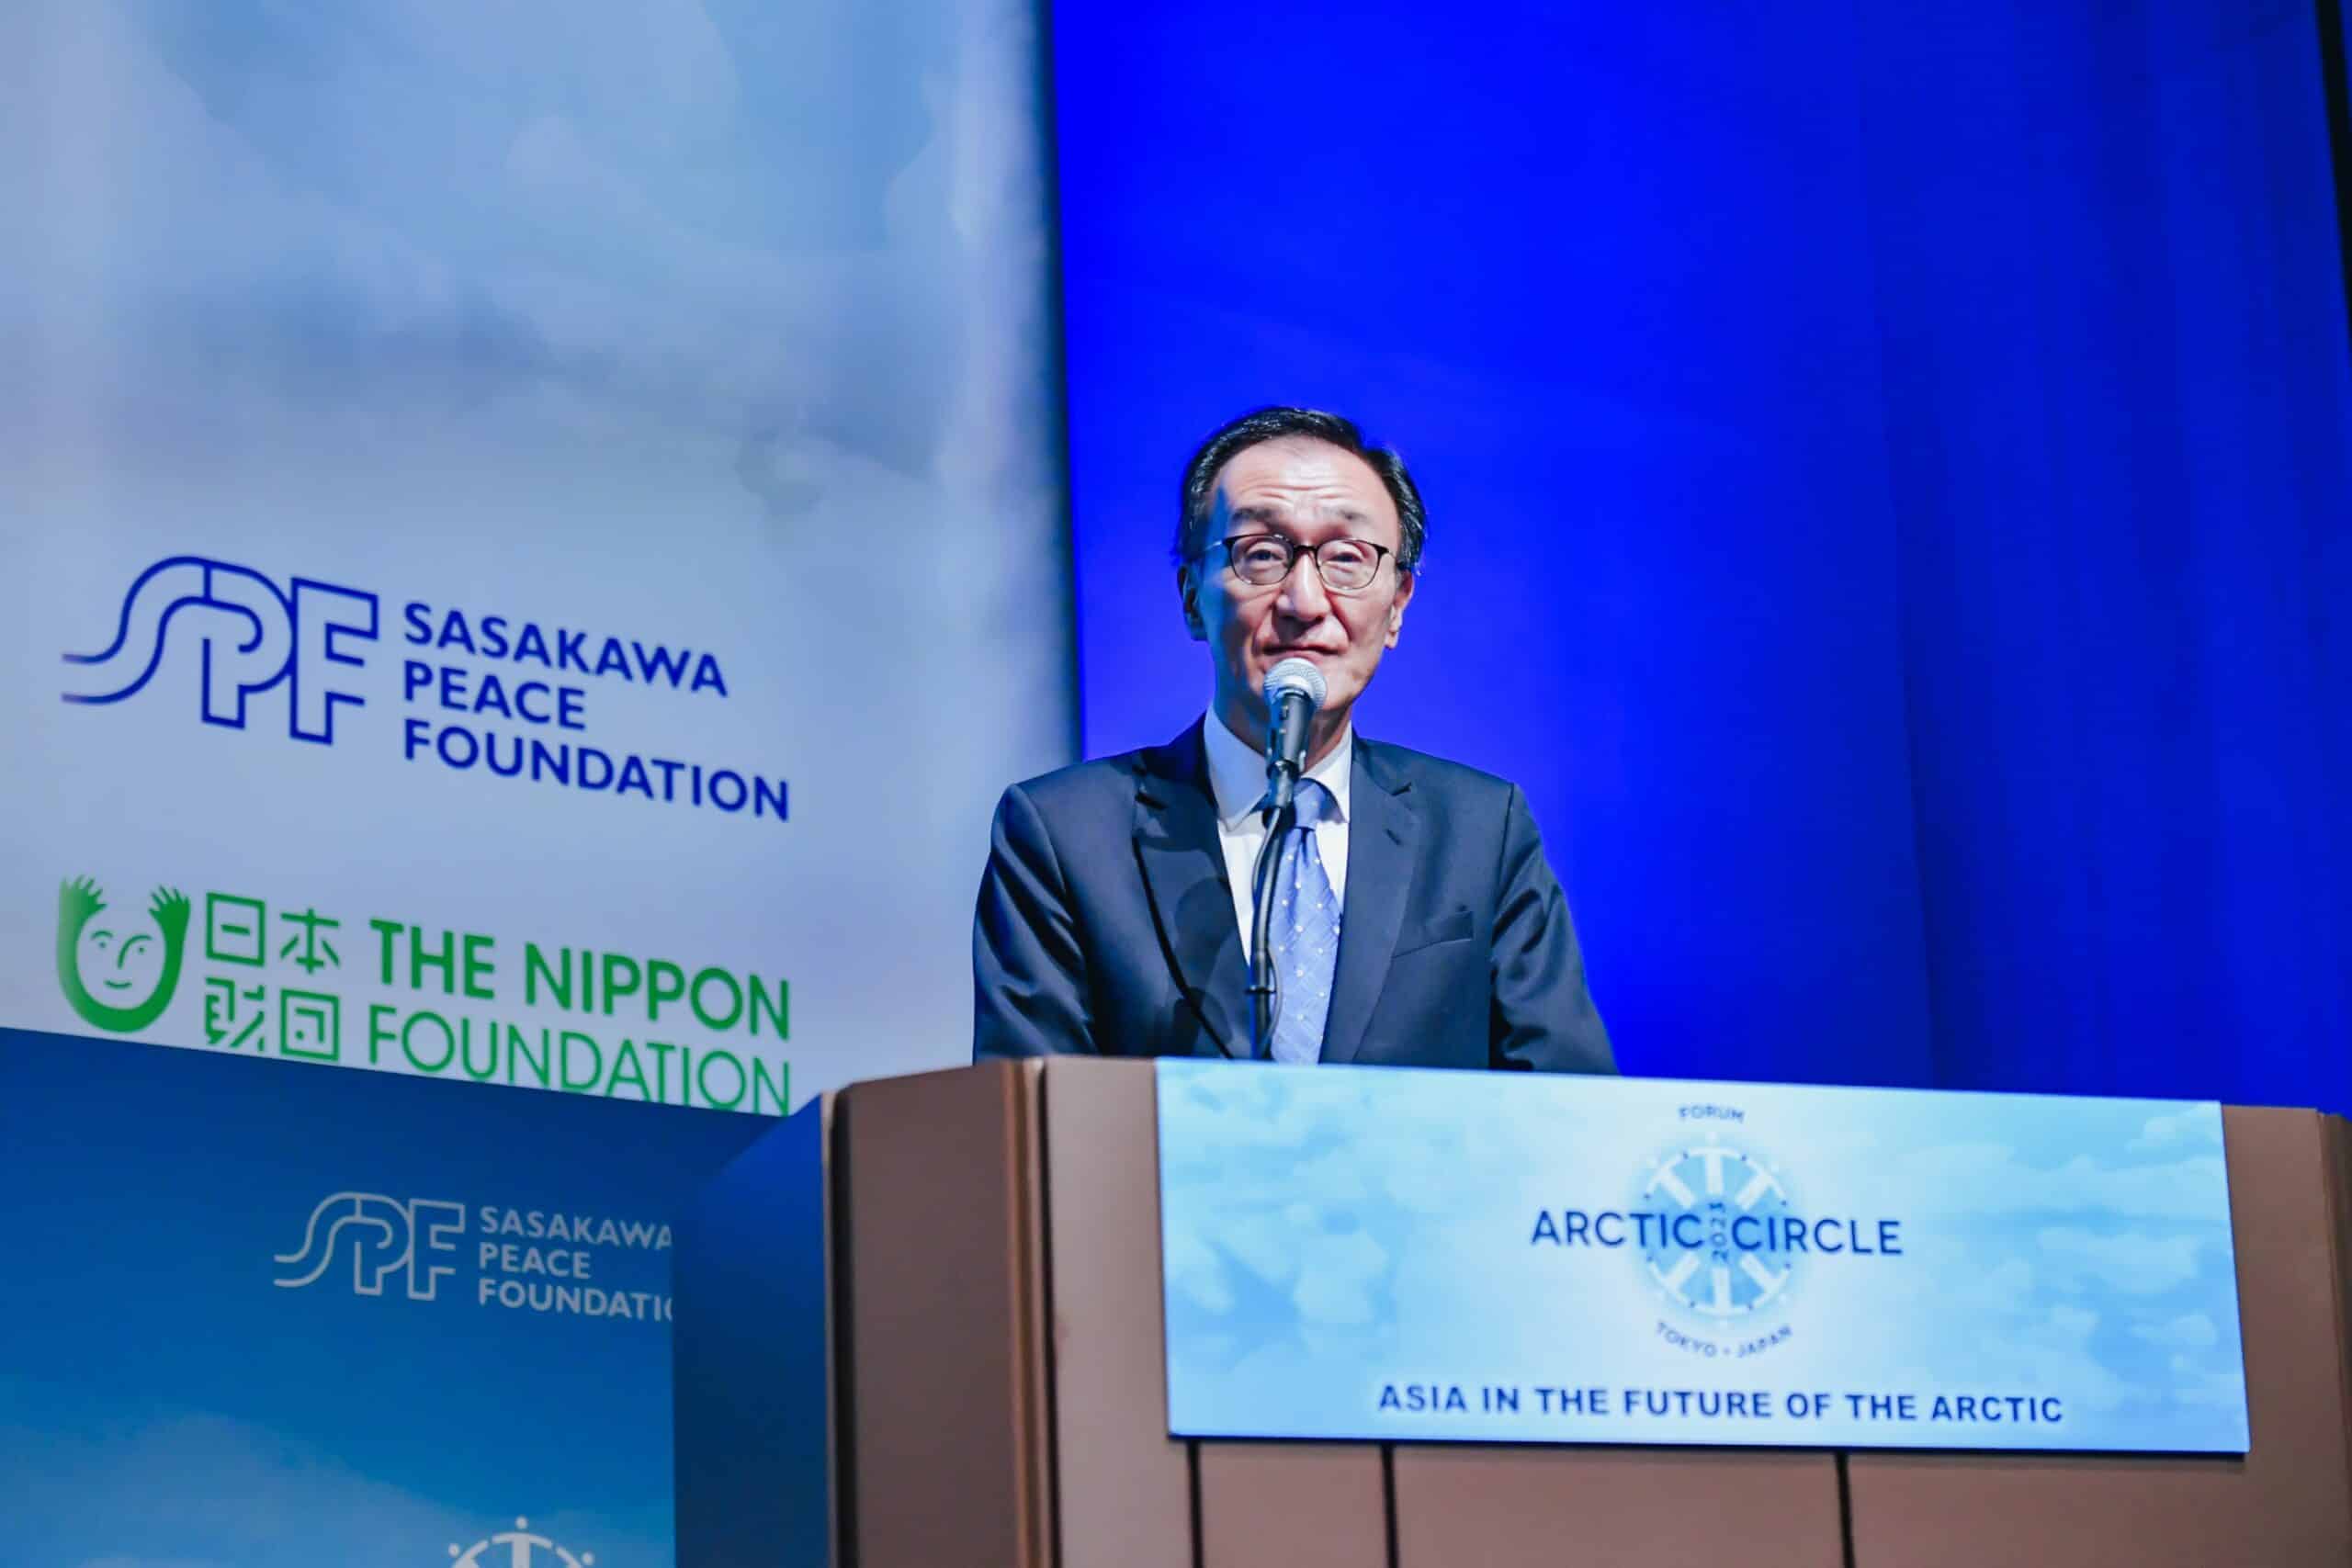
[1280, 813]
[1265, 986]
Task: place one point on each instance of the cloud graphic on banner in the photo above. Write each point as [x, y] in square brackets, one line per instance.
[2006, 1286]
[2081, 1310]
[2135, 1263]
[1991, 1179]
[2170, 1131]
[2189, 1331]
[1305, 1246]
[1313, 1203]
[2220, 1390]
[1195, 1271]
[203, 1490]
[569, 224]
[2053, 1347]
[1338, 1275]
[2059, 1355]
[2084, 1306]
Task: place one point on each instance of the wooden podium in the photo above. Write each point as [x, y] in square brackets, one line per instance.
[1000, 1398]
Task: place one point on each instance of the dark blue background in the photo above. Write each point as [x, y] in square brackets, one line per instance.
[1889, 472]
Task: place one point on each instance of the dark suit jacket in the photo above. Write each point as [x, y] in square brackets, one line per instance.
[1106, 925]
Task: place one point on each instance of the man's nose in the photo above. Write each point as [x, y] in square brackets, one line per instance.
[1304, 597]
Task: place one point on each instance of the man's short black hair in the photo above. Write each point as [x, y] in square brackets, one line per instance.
[1278, 422]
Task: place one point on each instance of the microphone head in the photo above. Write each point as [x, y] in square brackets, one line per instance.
[1296, 677]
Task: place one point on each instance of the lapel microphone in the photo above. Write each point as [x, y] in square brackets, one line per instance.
[1295, 689]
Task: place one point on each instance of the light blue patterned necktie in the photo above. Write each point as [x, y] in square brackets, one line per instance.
[1305, 937]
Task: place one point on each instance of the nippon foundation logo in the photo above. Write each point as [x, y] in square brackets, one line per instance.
[277, 977]
[119, 972]
[519, 1548]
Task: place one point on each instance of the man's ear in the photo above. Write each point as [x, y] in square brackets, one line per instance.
[1404, 583]
[1188, 590]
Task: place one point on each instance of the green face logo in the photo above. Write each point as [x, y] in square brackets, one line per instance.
[119, 976]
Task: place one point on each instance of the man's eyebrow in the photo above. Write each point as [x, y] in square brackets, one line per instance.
[1269, 515]
[1256, 515]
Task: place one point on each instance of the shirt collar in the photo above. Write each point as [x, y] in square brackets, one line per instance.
[1238, 772]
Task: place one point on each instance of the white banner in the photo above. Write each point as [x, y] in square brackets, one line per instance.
[531, 544]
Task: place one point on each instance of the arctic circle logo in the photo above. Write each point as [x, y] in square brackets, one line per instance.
[1708, 1257]
[524, 1549]
[1715, 1232]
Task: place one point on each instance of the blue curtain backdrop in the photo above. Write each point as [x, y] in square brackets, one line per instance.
[1890, 473]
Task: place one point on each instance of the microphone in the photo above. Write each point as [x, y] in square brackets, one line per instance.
[1295, 689]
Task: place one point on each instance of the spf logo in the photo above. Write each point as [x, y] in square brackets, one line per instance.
[246, 636]
[381, 1239]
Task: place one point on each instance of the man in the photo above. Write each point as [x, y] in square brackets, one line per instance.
[1416, 921]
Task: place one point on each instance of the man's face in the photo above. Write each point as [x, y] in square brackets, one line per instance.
[1309, 492]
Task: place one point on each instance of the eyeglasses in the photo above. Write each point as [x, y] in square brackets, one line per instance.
[1261, 560]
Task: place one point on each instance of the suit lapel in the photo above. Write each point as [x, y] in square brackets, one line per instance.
[1184, 869]
[1382, 831]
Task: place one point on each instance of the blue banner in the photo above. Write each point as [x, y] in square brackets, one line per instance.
[1382, 1254]
[263, 1315]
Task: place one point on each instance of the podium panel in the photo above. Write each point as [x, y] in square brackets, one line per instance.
[1002, 1397]
[1545, 1507]
[1126, 1493]
[943, 1439]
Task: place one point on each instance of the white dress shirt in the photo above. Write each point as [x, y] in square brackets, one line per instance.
[1238, 775]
